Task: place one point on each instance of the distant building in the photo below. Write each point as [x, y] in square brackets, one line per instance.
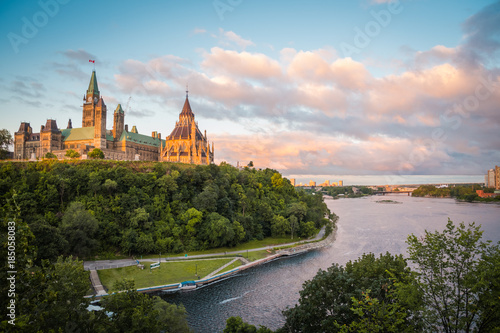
[492, 178]
[185, 144]
[292, 181]
[481, 194]
[497, 177]
[312, 183]
[341, 183]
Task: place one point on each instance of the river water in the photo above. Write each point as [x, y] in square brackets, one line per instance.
[258, 295]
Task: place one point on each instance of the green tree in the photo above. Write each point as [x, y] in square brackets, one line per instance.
[279, 226]
[80, 230]
[325, 301]
[96, 153]
[192, 217]
[72, 153]
[53, 300]
[294, 224]
[136, 312]
[5, 141]
[221, 231]
[50, 155]
[307, 229]
[375, 316]
[237, 325]
[450, 279]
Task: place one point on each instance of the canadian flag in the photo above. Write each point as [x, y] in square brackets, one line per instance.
[92, 61]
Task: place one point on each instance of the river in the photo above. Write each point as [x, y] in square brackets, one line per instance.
[258, 295]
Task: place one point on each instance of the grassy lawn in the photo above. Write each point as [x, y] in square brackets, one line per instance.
[169, 272]
[253, 244]
[255, 255]
[235, 264]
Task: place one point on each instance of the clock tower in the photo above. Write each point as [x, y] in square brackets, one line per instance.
[90, 100]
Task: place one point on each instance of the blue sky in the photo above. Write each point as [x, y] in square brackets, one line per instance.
[306, 87]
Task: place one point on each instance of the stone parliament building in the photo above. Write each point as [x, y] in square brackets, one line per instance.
[186, 143]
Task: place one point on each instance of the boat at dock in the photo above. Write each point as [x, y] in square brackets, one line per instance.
[187, 285]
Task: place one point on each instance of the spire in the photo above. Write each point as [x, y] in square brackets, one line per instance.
[186, 110]
[93, 89]
[119, 109]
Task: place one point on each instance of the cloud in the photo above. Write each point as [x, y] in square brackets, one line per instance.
[79, 55]
[482, 32]
[311, 111]
[139, 114]
[242, 64]
[229, 38]
[199, 31]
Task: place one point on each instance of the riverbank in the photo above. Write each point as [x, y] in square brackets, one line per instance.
[221, 273]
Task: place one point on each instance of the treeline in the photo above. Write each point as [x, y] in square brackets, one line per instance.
[49, 296]
[448, 282]
[461, 192]
[347, 191]
[88, 207]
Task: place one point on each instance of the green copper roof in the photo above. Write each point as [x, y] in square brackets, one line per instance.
[74, 134]
[93, 89]
[83, 133]
[119, 109]
[142, 139]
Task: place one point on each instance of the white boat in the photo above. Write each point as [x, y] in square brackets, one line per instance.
[187, 285]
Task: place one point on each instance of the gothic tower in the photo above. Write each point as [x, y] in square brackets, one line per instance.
[118, 122]
[100, 125]
[89, 102]
[186, 143]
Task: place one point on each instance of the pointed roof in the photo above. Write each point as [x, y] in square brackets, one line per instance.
[186, 110]
[100, 103]
[119, 109]
[93, 89]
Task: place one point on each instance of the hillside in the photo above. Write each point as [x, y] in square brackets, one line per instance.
[89, 207]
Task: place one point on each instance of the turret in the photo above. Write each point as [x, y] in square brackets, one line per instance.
[118, 122]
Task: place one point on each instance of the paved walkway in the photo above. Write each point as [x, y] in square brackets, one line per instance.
[96, 283]
[220, 269]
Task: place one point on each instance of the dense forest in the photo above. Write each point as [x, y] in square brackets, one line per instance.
[461, 192]
[84, 208]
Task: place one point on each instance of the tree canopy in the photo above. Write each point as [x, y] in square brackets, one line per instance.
[96, 154]
[88, 207]
[5, 141]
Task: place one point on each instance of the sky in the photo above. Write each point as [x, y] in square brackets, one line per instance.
[316, 88]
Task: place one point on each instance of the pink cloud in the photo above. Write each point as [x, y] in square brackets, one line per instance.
[241, 64]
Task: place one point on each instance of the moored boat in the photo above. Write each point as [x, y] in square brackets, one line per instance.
[187, 285]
